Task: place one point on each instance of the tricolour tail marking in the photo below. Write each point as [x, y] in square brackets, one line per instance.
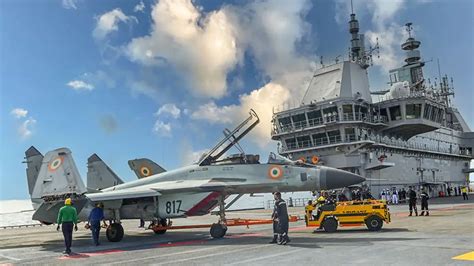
[144, 167]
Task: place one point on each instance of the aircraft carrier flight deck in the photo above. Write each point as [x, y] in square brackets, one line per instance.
[444, 238]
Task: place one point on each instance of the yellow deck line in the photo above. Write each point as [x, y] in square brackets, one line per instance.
[465, 256]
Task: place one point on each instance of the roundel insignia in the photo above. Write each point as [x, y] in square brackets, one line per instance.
[275, 172]
[315, 159]
[54, 164]
[145, 171]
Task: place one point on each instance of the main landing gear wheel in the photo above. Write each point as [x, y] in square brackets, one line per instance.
[374, 223]
[114, 232]
[161, 223]
[218, 230]
[330, 225]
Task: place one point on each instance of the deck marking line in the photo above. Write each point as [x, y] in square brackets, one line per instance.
[210, 255]
[8, 257]
[167, 255]
[91, 254]
[465, 256]
[265, 257]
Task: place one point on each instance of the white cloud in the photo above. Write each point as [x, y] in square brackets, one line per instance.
[215, 114]
[25, 130]
[389, 38]
[19, 113]
[262, 101]
[201, 46]
[188, 155]
[162, 129]
[140, 7]
[280, 26]
[69, 4]
[205, 47]
[170, 109]
[108, 22]
[79, 85]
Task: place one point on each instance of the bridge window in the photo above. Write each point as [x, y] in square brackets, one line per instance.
[440, 116]
[360, 112]
[334, 136]
[413, 111]
[285, 123]
[347, 112]
[299, 120]
[315, 118]
[290, 143]
[426, 113]
[395, 113]
[320, 139]
[434, 113]
[350, 134]
[330, 114]
[304, 142]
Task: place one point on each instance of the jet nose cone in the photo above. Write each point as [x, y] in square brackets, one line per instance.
[336, 178]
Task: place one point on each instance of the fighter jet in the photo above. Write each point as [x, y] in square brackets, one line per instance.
[162, 195]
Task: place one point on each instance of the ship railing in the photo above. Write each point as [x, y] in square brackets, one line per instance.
[315, 121]
[331, 118]
[351, 137]
[316, 142]
[328, 119]
[449, 148]
[299, 124]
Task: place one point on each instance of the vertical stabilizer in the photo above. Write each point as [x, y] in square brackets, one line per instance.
[144, 167]
[99, 175]
[34, 158]
[58, 176]
[57, 179]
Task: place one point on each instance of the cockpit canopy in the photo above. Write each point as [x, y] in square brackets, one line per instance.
[239, 159]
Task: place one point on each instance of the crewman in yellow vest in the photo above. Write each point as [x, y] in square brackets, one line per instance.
[464, 193]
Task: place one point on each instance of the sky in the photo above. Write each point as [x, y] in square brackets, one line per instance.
[162, 79]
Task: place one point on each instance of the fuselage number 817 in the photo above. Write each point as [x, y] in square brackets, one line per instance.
[173, 206]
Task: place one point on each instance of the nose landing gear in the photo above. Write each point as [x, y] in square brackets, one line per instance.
[219, 229]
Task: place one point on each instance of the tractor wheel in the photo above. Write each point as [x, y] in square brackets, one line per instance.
[330, 225]
[374, 223]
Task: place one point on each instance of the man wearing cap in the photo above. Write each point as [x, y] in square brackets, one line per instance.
[67, 217]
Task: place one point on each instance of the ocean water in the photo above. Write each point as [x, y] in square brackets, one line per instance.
[19, 212]
[16, 212]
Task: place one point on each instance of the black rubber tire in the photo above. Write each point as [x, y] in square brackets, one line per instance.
[114, 232]
[374, 223]
[330, 225]
[218, 230]
[162, 222]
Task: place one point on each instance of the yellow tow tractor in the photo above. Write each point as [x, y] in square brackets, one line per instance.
[372, 213]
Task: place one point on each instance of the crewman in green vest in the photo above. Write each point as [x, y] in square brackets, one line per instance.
[67, 217]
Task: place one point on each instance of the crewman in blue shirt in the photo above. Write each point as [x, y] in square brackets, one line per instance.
[96, 215]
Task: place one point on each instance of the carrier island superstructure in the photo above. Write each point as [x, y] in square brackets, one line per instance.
[411, 136]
